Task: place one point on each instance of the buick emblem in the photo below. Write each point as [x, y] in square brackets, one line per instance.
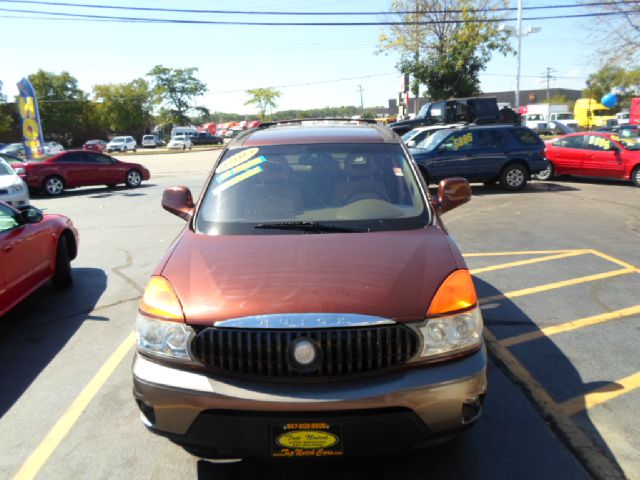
[304, 355]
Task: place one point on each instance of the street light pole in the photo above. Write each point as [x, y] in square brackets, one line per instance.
[519, 35]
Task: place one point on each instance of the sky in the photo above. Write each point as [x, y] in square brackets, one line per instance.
[312, 67]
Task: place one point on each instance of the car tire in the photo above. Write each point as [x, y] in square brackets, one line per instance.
[546, 174]
[62, 277]
[133, 178]
[635, 176]
[514, 177]
[53, 185]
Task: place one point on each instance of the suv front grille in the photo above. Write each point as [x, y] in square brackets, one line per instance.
[267, 353]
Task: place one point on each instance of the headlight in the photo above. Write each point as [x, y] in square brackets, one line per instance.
[450, 334]
[15, 188]
[162, 338]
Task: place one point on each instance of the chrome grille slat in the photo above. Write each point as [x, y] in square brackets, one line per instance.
[264, 353]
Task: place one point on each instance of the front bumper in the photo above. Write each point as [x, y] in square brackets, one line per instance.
[233, 417]
[17, 199]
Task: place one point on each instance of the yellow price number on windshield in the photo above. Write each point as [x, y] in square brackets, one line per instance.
[599, 142]
[462, 140]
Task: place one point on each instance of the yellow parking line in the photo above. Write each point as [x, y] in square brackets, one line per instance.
[601, 395]
[614, 260]
[572, 325]
[505, 254]
[528, 261]
[552, 286]
[597, 463]
[41, 454]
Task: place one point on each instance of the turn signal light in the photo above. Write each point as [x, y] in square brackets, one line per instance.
[455, 293]
[159, 300]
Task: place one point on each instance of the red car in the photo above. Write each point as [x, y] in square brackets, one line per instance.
[593, 154]
[95, 145]
[33, 249]
[79, 168]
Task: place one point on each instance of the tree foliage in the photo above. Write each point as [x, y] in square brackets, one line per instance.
[264, 99]
[609, 77]
[124, 108]
[5, 117]
[175, 90]
[619, 30]
[65, 111]
[449, 55]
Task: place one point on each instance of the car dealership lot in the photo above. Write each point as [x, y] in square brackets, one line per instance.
[555, 267]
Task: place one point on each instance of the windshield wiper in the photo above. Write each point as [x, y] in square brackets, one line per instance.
[306, 226]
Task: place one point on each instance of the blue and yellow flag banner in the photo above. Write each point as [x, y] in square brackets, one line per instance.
[31, 126]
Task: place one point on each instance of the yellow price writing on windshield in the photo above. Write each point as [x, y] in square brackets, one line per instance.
[462, 140]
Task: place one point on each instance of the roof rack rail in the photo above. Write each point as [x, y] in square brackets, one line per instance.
[295, 121]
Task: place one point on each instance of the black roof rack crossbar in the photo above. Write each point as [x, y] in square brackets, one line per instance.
[327, 119]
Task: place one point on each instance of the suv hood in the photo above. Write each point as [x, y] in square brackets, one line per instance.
[386, 274]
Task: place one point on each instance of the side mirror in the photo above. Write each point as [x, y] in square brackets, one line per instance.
[411, 143]
[452, 192]
[31, 215]
[178, 200]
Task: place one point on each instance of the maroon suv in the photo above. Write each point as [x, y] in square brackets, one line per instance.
[314, 304]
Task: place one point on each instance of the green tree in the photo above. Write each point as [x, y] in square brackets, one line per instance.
[124, 107]
[448, 52]
[175, 90]
[263, 98]
[609, 77]
[6, 120]
[65, 112]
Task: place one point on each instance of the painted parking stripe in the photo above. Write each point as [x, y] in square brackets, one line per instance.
[598, 464]
[41, 454]
[614, 260]
[555, 285]
[572, 325]
[601, 395]
[528, 261]
[507, 254]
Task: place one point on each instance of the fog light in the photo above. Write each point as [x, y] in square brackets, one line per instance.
[148, 415]
[471, 408]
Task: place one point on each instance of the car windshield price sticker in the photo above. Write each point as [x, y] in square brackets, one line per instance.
[462, 140]
[312, 439]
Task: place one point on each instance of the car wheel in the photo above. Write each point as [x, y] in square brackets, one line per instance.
[635, 176]
[53, 186]
[545, 174]
[62, 277]
[514, 177]
[133, 179]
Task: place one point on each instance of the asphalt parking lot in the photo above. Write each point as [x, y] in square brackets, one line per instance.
[556, 268]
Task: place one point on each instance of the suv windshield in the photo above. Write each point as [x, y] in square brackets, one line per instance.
[314, 189]
[433, 140]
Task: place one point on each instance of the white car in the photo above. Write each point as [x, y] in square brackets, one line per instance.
[122, 144]
[180, 142]
[51, 148]
[151, 141]
[12, 189]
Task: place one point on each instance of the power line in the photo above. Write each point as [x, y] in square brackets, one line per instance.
[306, 24]
[300, 13]
[320, 82]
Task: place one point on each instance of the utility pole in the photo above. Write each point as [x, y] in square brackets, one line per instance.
[548, 78]
[519, 35]
[361, 102]
[416, 106]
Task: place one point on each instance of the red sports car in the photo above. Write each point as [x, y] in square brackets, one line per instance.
[95, 145]
[79, 168]
[593, 154]
[33, 249]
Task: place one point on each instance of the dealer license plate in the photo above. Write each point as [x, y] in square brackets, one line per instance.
[306, 439]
